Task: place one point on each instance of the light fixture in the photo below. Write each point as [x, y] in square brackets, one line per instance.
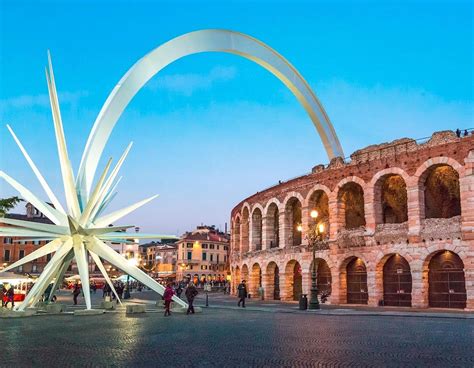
[321, 228]
[314, 214]
[299, 227]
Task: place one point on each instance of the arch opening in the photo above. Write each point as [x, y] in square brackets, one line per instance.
[441, 192]
[391, 200]
[351, 205]
[293, 280]
[272, 282]
[397, 282]
[319, 201]
[293, 216]
[257, 229]
[273, 226]
[255, 280]
[357, 282]
[323, 277]
[446, 281]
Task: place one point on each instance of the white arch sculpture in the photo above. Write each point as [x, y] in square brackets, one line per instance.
[209, 40]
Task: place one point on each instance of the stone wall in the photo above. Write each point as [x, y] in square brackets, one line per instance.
[417, 239]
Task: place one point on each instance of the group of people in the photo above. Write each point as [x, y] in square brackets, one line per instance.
[465, 134]
[190, 293]
[7, 296]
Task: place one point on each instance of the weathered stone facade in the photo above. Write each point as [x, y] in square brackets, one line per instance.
[400, 228]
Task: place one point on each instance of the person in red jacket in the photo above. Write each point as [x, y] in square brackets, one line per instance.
[168, 296]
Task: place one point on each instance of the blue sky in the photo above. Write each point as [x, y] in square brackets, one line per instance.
[212, 129]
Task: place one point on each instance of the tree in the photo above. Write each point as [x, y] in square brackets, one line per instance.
[6, 204]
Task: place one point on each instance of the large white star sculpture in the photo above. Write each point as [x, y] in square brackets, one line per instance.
[81, 229]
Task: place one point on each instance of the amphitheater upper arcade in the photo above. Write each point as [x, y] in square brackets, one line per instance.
[398, 209]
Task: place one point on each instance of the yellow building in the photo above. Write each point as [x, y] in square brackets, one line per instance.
[203, 255]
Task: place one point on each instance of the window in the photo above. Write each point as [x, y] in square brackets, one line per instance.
[211, 246]
[36, 242]
[203, 267]
[189, 245]
[21, 254]
[7, 240]
[190, 267]
[217, 246]
[204, 256]
[212, 257]
[34, 268]
[190, 255]
[225, 258]
[225, 247]
[6, 255]
[48, 257]
[204, 246]
[217, 258]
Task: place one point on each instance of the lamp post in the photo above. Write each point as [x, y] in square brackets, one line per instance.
[131, 262]
[315, 238]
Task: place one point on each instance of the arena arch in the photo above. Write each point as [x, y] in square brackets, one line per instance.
[272, 218]
[293, 221]
[441, 192]
[257, 227]
[353, 281]
[350, 204]
[271, 282]
[293, 280]
[391, 199]
[446, 280]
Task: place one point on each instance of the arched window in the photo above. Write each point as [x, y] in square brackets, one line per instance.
[442, 195]
[351, 205]
[257, 229]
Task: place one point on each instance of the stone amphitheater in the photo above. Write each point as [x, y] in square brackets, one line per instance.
[399, 228]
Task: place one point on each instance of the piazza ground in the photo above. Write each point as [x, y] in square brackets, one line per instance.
[225, 337]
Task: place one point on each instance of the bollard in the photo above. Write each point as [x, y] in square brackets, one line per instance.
[303, 302]
[207, 300]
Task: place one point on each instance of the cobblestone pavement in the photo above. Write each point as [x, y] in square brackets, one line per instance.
[235, 338]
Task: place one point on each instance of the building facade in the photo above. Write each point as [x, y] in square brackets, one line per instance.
[203, 255]
[159, 259]
[13, 249]
[399, 228]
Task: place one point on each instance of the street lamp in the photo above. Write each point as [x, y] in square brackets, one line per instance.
[132, 262]
[315, 239]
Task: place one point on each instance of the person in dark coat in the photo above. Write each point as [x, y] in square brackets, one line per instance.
[242, 293]
[10, 297]
[168, 296]
[191, 293]
[179, 291]
[75, 293]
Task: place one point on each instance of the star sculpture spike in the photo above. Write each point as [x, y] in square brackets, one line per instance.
[80, 230]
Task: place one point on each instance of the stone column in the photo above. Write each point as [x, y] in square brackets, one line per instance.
[334, 298]
[265, 234]
[369, 209]
[466, 184]
[286, 290]
[371, 288]
[282, 230]
[419, 289]
[416, 209]
[334, 220]
[469, 278]
[268, 284]
[305, 222]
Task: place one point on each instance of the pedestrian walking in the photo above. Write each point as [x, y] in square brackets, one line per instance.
[191, 293]
[242, 293]
[2, 295]
[179, 291]
[168, 296]
[75, 293]
[10, 297]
